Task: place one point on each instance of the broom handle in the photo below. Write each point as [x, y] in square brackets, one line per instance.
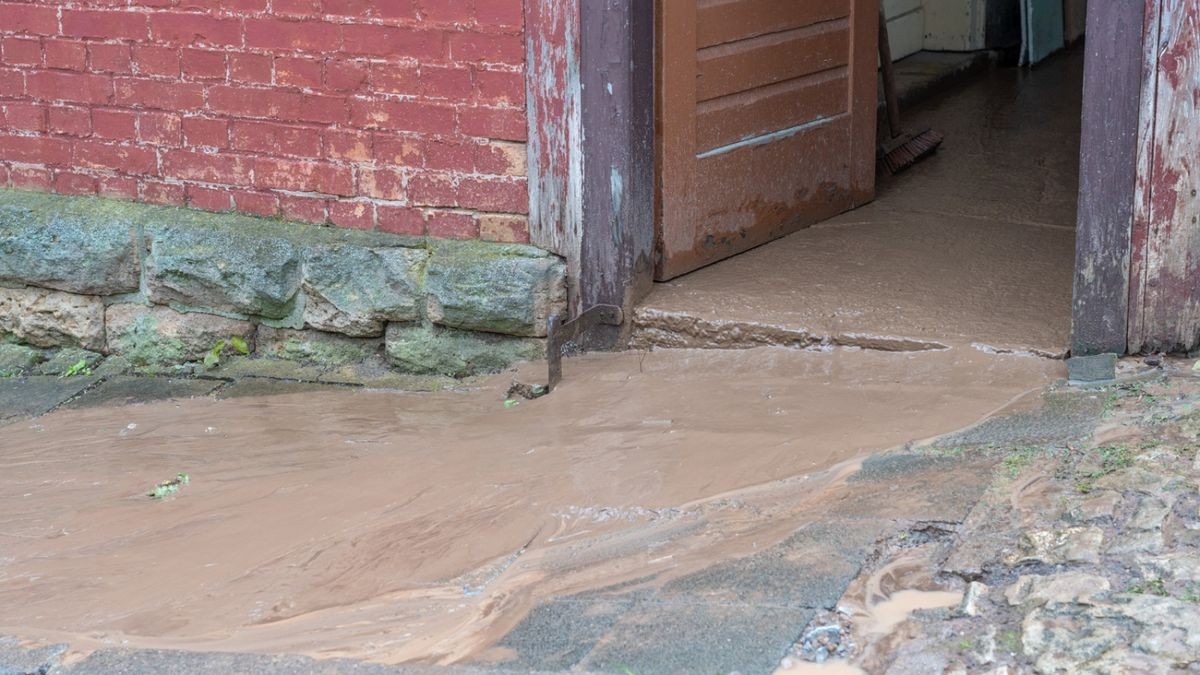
[889, 76]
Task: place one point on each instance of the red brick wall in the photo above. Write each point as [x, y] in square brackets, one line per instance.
[402, 115]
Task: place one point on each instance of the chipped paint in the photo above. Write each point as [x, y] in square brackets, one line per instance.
[1165, 266]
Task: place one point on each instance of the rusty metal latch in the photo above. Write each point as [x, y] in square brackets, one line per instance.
[564, 336]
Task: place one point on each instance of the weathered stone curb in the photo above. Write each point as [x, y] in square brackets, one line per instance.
[174, 281]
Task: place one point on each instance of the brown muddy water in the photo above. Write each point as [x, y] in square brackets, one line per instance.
[422, 527]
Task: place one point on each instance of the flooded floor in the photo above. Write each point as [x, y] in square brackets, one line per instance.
[974, 245]
[425, 527]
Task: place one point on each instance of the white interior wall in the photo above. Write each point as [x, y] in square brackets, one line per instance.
[936, 25]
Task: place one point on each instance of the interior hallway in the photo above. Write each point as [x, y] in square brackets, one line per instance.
[973, 246]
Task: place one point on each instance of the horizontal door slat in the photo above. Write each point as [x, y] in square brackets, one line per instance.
[742, 66]
[721, 21]
[764, 110]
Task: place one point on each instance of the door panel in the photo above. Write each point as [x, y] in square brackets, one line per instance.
[766, 119]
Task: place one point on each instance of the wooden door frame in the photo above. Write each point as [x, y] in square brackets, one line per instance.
[1108, 169]
[590, 103]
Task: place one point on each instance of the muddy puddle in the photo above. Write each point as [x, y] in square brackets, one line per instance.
[422, 527]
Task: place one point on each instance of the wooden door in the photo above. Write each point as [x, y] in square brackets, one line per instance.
[766, 121]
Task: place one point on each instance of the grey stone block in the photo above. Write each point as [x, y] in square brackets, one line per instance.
[160, 336]
[494, 288]
[55, 243]
[222, 269]
[1098, 368]
[426, 350]
[46, 318]
[356, 290]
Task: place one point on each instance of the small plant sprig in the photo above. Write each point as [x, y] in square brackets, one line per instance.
[213, 358]
[169, 487]
[80, 367]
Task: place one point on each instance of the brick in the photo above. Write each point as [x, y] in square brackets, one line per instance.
[250, 68]
[120, 125]
[23, 116]
[130, 159]
[446, 11]
[398, 150]
[110, 58]
[450, 155]
[117, 187]
[381, 9]
[395, 78]
[53, 85]
[70, 183]
[257, 203]
[303, 176]
[105, 25]
[500, 86]
[205, 132]
[382, 183]
[159, 192]
[35, 149]
[23, 17]
[153, 60]
[483, 194]
[163, 95]
[300, 8]
[501, 158]
[487, 47]
[350, 145]
[400, 219]
[203, 64]
[209, 199]
[416, 116]
[448, 82]
[194, 29]
[504, 228]
[272, 138]
[507, 124]
[274, 104]
[297, 72]
[207, 168]
[451, 225]
[394, 41]
[304, 209]
[160, 128]
[357, 214]
[30, 177]
[12, 82]
[293, 35]
[65, 54]
[21, 51]
[500, 13]
[69, 120]
[348, 75]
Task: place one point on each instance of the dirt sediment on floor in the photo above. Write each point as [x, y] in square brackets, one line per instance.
[423, 527]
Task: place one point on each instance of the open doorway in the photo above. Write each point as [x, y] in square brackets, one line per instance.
[973, 246]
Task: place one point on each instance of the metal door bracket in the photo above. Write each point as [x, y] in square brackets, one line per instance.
[568, 336]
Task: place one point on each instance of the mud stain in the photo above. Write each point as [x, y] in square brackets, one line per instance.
[423, 527]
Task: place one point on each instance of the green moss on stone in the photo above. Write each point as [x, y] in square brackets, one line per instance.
[146, 349]
[18, 359]
[431, 350]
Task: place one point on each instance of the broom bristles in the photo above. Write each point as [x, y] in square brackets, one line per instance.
[910, 151]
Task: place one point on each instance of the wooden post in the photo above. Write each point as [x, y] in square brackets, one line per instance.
[591, 147]
[1107, 176]
[617, 74]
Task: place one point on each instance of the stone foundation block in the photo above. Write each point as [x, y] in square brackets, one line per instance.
[494, 288]
[222, 269]
[328, 350]
[357, 291]
[53, 243]
[433, 350]
[160, 336]
[46, 318]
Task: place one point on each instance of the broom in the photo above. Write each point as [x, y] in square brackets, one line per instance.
[901, 150]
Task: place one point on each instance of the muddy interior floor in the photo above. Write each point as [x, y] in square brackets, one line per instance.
[974, 245]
